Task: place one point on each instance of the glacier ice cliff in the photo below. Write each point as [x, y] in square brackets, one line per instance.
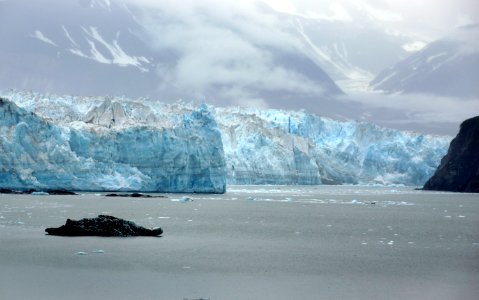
[103, 152]
[102, 143]
[282, 147]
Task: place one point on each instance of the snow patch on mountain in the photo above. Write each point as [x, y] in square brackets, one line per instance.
[39, 35]
[117, 54]
[446, 67]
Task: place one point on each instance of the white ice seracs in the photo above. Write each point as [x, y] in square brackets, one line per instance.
[281, 147]
[94, 154]
[88, 143]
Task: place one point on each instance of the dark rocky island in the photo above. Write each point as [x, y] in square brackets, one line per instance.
[459, 169]
[134, 195]
[102, 226]
[32, 191]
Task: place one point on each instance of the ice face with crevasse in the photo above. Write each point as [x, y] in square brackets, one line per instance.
[102, 143]
[107, 145]
[284, 147]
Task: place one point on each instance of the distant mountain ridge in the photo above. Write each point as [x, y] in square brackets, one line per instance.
[447, 67]
[119, 47]
[106, 47]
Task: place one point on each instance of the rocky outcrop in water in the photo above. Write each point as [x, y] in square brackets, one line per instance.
[102, 226]
[459, 169]
[33, 192]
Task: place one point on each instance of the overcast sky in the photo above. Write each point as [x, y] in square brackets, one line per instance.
[235, 52]
[431, 18]
[239, 58]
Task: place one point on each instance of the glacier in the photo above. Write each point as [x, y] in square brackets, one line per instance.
[107, 150]
[284, 147]
[115, 143]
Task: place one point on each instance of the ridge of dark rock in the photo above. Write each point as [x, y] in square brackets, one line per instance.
[459, 169]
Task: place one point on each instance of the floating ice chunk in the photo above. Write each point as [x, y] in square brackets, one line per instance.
[40, 194]
[354, 201]
[182, 200]
[99, 251]
[81, 253]
[461, 216]
[391, 243]
[447, 217]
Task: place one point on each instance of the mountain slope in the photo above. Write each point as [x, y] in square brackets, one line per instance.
[124, 48]
[447, 67]
[73, 46]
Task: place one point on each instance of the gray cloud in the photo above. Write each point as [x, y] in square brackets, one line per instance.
[422, 112]
[226, 49]
[427, 19]
[225, 46]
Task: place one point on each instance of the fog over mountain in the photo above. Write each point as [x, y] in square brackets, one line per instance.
[320, 57]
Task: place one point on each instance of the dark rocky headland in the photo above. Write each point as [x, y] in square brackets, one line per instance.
[459, 169]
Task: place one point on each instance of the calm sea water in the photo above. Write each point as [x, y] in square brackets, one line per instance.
[254, 242]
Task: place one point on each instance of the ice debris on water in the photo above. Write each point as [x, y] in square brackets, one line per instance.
[40, 193]
[81, 253]
[99, 251]
[183, 200]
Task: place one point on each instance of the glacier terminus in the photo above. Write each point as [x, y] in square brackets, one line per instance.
[118, 144]
[108, 149]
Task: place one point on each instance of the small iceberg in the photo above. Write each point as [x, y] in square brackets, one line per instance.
[40, 193]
